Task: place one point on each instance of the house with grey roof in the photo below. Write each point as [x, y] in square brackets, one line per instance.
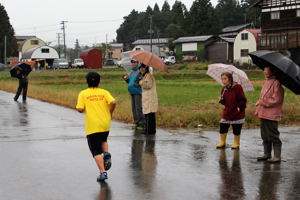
[220, 50]
[116, 50]
[233, 31]
[192, 48]
[160, 46]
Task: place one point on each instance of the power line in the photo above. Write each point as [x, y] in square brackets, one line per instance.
[34, 27]
[42, 31]
[97, 21]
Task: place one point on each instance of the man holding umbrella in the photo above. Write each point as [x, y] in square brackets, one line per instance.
[21, 72]
[136, 95]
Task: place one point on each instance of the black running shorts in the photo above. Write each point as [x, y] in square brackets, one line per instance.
[95, 141]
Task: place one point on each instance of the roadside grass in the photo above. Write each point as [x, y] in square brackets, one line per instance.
[187, 98]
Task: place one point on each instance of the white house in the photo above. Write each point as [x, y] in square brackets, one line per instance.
[44, 53]
[245, 42]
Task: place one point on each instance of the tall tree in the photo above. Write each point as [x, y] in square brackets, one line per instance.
[230, 13]
[127, 31]
[201, 19]
[251, 14]
[164, 19]
[77, 48]
[8, 31]
[156, 9]
[178, 13]
[166, 7]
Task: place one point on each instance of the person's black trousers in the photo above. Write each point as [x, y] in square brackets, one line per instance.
[23, 85]
[150, 123]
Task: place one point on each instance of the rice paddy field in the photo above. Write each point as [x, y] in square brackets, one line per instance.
[187, 97]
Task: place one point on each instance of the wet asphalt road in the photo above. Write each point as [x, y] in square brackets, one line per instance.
[44, 156]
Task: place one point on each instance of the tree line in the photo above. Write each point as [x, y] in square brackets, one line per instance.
[177, 21]
[7, 30]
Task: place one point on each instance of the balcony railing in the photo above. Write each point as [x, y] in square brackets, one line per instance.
[278, 3]
[279, 41]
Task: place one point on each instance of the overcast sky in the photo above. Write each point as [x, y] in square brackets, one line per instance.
[88, 20]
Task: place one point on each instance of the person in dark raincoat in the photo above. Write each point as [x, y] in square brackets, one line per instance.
[23, 84]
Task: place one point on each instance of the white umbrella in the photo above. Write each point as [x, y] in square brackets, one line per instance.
[125, 62]
[239, 76]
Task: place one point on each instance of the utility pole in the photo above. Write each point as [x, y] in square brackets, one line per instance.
[64, 36]
[106, 50]
[158, 43]
[58, 42]
[5, 50]
[150, 31]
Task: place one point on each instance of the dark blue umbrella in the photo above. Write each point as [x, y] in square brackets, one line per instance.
[285, 70]
[20, 69]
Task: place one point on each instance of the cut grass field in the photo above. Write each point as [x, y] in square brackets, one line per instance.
[186, 98]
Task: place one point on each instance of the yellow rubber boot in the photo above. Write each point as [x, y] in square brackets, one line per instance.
[222, 144]
[236, 144]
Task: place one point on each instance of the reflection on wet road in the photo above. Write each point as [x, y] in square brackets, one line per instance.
[44, 155]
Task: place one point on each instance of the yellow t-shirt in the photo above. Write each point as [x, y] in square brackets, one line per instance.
[95, 102]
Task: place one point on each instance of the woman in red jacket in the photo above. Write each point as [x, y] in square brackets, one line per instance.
[234, 100]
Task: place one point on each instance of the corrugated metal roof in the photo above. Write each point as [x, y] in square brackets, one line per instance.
[227, 39]
[28, 54]
[201, 38]
[154, 41]
[116, 45]
[23, 37]
[235, 28]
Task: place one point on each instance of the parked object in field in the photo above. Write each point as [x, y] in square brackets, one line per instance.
[92, 58]
[78, 63]
[170, 60]
[110, 62]
[60, 64]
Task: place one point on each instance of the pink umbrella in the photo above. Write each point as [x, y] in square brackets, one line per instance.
[239, 76]
[149, 59]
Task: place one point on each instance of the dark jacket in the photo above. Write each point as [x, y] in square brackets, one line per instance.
[233, 98]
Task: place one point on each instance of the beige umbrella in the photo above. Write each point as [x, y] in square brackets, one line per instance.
[149, 59]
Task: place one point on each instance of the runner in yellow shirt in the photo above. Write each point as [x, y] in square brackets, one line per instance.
[98, 106]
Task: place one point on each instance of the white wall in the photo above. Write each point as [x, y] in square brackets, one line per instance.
[239, 44]
[37, 54]
[189, 46]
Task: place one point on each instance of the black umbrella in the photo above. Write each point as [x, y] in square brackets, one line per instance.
[285, 70]
[20, 69]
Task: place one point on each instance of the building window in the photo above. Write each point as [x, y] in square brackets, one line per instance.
[275, 15]
[298, 13]
[189, 47]
[244, 52]
[244, 36]
[45, 50]
[34, 42]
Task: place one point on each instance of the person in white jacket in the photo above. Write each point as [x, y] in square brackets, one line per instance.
[149, 99]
